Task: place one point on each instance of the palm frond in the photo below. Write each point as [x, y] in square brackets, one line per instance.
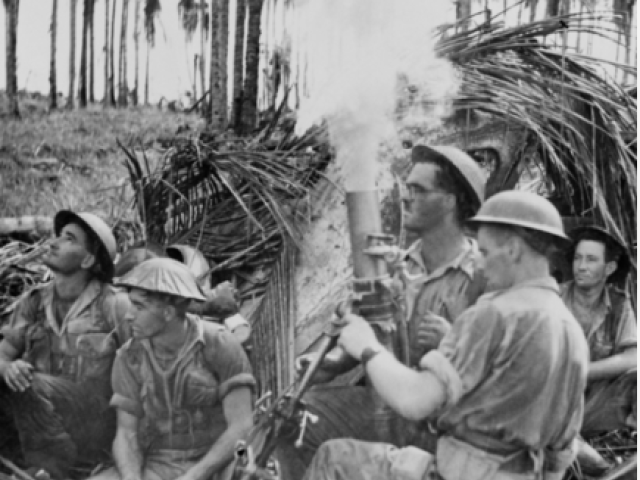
[578, 121]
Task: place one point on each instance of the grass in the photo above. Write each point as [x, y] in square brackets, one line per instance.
[91, 174]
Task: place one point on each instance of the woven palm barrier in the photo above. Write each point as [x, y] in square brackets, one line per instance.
[239, 201]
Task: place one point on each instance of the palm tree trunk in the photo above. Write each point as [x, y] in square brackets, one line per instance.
[72, 55]
[92, 70]
[223, 57]
[11, 20]
[215, 114]
[250, 101]
[146, 76]
[84, 54]
[463, 11]
[53, 89]
[533, 5]
[203, 56]
[107, 93]
[123, 89]
[238, 63]
[136, 39]
[112, 54]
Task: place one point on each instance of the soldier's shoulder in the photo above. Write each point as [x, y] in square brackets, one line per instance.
[131, 352]
[617, 293]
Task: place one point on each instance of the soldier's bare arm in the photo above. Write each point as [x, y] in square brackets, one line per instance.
[126, 449]
[17, 374]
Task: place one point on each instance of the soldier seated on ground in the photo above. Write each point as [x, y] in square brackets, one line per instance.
[57, 352]
[182, 387]
[497, 417]
[606, 316]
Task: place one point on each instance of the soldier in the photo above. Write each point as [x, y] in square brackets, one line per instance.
[445, 187]
[607, 319]
[497, 417]
[182, 387]
[58, 348]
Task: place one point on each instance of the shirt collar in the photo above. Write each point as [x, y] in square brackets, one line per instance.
[604, 301]
[545, 283]
[86, 298]
[465, 261]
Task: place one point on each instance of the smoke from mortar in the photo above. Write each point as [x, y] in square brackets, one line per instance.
[372, 71]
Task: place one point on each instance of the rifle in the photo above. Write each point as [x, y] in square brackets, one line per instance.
[284, 417]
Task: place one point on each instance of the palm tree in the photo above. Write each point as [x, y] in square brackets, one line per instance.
[53, 93]
[463, 12]
[92, 97]
[238, 63]
[223, 39]
[84, 54]
[11, 29]
[192, 15]
[123, 88]
[215, 101]
[136, 41]
[107, 91]
[72, 54]
[250, 100]
[151, 9]
[112, 54]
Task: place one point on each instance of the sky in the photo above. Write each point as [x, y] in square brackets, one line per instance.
[171, 60]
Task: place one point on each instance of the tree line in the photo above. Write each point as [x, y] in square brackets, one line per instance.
[208, 17]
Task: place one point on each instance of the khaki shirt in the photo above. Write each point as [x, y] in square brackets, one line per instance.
[82, 347]
[514, 368]
[179, 401]
[444, 292]
[610, 325]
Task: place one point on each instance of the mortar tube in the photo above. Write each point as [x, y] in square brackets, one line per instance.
[363, 212]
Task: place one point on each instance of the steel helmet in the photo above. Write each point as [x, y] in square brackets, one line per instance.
[95, 226]
[466, 168]
[194, 260]
[522, 209]
[164, 275]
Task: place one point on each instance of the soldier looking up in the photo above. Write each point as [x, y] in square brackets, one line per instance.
[58, 348]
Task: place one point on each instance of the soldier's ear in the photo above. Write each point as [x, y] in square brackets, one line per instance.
[610, 267]
[88, 261]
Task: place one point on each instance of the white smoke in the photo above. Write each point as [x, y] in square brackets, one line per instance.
[361, 56]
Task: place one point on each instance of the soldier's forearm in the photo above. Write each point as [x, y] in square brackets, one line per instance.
[613, 366]
[220, 454]
[127, 455]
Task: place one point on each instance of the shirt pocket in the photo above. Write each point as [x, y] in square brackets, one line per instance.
[96, 353]
[200, 388]
[38, 348]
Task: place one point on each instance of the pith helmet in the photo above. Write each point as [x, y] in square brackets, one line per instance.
[95, 226]
[164, 275]
[194, 260]
[598, 233]
[522, 209]
[466, 168]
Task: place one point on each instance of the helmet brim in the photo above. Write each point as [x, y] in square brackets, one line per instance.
[561, 237]
[64, 217]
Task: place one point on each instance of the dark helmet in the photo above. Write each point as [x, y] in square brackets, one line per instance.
[601, 234]
[466, 168]
[96, 227]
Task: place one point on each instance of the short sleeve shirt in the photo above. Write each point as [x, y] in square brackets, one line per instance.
[180, 404]
[514, 367]
[443, 292]
[610, 325]
[93, 329]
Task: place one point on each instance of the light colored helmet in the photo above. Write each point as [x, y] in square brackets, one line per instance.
[468, 170]
[194, 260]
[95, 225]
[522, 209]
[164, 275]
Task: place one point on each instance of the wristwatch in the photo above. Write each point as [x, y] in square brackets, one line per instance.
[369, 352]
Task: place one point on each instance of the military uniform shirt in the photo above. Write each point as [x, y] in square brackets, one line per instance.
[514, 368]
